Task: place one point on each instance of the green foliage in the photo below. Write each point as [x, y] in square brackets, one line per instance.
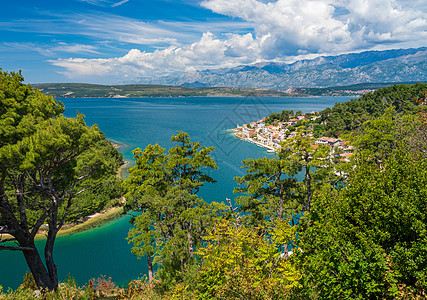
[80, 90]
[284, 116]
[46, 161]
[301, 153]
[369, 241]
[349, 116]
[270, 190]
[244, 263]
[28, 282]
[163, 187]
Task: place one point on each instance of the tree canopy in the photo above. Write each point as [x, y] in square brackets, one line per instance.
[46, 161]
[163, 188]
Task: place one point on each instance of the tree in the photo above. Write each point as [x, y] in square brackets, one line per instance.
[163, 187]
[300, 152]
[46, 160]
[242, 262]
[270, 190]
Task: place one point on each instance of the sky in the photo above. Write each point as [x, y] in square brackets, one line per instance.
[119, 41]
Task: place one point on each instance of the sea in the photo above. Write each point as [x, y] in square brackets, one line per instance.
[138, 122]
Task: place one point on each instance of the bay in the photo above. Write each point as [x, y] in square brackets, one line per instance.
[137, 122]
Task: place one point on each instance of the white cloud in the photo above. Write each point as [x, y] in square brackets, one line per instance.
[207, 52]
[326, 26]
[119, 3]
[103, 27]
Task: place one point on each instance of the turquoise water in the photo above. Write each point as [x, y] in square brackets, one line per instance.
[137, 122]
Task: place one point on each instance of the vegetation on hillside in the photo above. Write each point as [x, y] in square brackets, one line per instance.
[347, 90]
[84, 90]
[349, 116]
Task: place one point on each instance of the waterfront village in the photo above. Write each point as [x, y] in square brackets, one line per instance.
[271, 136]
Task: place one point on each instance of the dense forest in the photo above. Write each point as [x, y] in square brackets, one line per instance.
[348, 230]
[349, 116]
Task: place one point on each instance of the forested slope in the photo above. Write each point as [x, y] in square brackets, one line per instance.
[349, 116]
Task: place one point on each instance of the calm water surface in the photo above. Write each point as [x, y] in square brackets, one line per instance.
[137, 122]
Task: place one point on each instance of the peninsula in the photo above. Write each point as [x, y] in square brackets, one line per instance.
[84, 90]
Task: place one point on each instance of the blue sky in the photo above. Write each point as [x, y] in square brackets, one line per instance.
[117, 41]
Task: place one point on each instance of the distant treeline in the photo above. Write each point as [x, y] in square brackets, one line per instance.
[347, 90]
[84, 90]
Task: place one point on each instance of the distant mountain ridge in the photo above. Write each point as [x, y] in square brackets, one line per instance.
[398, 65]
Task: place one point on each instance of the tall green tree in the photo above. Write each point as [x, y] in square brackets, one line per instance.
[269, 190]
[163, 187]
[301, 153]
[46, 160]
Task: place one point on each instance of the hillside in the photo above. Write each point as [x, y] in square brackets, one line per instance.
[348, 117]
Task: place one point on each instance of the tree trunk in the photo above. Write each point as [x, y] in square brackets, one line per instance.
[48, 253]
[150, 268]
[282, 200]
[37, 268]
[25, 240]
[190, 241]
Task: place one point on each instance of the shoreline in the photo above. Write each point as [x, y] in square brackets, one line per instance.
[210, 96]
[270, 149]
[90, 222]
[96, 219]
[122, 172]
[84, 224]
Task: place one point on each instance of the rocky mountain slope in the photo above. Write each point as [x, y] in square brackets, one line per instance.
[401, 65]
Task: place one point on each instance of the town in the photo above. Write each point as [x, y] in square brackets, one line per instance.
[270, 132]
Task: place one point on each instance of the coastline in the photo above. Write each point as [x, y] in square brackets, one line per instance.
[94, 220]
[122, 172]
[249, 140]
[207, 96]
[90, 222]
[86, 223]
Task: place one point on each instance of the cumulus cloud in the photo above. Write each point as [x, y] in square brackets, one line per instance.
[281, 30]
[209, 51]
[292, 27]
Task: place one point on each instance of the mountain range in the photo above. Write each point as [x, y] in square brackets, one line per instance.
[399, 65]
